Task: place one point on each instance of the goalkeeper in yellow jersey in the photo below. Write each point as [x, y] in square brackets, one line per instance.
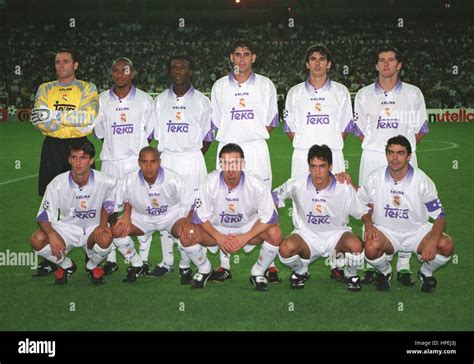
[64, 112]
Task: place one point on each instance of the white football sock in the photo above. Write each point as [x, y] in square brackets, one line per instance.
[46, 254]
[145, 244]
[127, 248]
[427, 268]
[267, 255]
[381, 264]
[167, 248]
[352, 263]
[98, 255]
[184, 261]
[225, 259]
[403, 261]
[112, 257]
[198, 257]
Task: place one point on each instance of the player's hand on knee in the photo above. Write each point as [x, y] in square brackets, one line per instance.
[225, 244]
[371, 233]
[58, 246]
[238, 241]
[123, 227]
[429, 250]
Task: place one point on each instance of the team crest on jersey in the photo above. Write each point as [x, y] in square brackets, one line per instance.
[386, 111]
[65, 97]
[318, 106]
[396, 200]
[178, 115]
[123, 117]
[155, 202]
[242, 102]
[318, 208]
[83, 204]
[232, 207]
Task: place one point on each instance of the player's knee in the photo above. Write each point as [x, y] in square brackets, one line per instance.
[116, 233]
[274, 235]
[372, 248]
[104, 240]
[38, 240]
[353, 244]
[287, 248]
[445, 246]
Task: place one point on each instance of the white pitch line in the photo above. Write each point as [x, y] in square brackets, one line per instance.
[17, 179]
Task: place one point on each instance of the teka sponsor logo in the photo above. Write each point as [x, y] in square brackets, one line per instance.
[28, 346]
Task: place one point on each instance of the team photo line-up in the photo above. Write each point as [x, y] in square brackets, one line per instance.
[141, 189]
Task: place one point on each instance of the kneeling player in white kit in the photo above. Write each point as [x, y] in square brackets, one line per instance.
[84, 199]
[235, 210]
[184, 133]
[323, 207]
[404, 199]
[125, 123]
[154, 199]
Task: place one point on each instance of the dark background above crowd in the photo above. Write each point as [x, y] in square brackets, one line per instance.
[435, 38]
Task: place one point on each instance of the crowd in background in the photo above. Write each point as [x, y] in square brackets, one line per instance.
[436, 55]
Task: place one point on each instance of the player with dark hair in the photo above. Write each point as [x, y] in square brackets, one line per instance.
[74, 213]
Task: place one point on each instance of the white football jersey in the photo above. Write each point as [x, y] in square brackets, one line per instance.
[380, 115]
[249, 201]
[81, 206]
[403, 206]
[184, 122]
[124, 124]
[242, 111]
[318, 116]
[164, 197]
[320, 210]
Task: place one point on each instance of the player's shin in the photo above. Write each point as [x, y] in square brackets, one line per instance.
[63, 262]
[126, 247]
[296, 263]
[145, 244]
[112, 257]
[352, 263]
[225, 260]
[403, 261]
[381, 264]
[197, 255]
[98, 255]
[428, 268]
[184, 262]
[267, 255]
[167, 248]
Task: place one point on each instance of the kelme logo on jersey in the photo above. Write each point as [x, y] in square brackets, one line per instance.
[315, 119]
[241, 114]
[317, 219]
[122, 129]
[396, 213]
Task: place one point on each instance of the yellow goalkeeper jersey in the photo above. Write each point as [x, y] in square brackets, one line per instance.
[78, 103]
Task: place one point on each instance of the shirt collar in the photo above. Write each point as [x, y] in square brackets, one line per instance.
[159, 178]
[405, 180]
[311, 90]
[222, 183]
[380, 90]
[130, 95]
[328, 189]
[67, 84]
[234, 82]
[188, 93]
[90, 180]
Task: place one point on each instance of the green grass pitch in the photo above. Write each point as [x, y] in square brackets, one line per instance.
[28, 303]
